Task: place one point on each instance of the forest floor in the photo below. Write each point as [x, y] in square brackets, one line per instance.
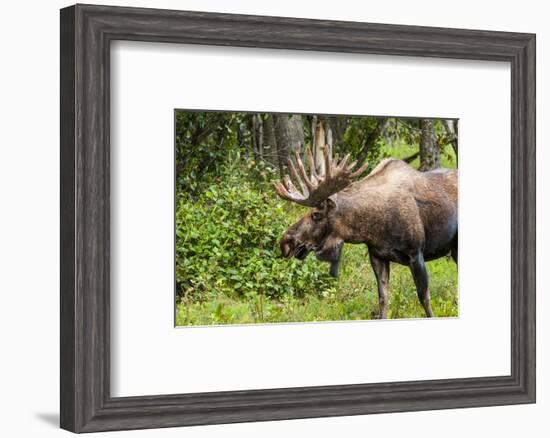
[355, 297]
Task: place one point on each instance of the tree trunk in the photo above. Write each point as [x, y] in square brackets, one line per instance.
[257, 136]
[269, 142]
[289, 136]
[337, 126]
[429, 150]
[297, 132]
[451, 128]
[318, 146]
[314, 122]
[328, 138]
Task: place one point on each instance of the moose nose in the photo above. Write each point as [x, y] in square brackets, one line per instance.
[287, 245]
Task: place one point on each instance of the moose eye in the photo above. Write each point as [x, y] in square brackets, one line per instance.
[317, 216]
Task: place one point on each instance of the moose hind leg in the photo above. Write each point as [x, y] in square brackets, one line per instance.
[454, 250]
[454, 254]
[382, 272]
[420, 275]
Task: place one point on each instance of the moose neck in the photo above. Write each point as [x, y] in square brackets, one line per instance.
[355, 219]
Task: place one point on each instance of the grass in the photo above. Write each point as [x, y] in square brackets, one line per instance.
[352, 297]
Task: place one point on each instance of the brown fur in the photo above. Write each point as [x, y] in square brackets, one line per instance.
[402, 215]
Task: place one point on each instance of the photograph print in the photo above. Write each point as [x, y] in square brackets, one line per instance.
[287, 218]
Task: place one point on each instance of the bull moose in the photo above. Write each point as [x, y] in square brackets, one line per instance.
[402, 215]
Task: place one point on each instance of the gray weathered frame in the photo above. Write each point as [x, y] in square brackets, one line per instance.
[86, 33]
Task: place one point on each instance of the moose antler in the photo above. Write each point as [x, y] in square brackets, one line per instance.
[315, 188]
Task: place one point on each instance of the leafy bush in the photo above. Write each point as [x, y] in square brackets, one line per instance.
[227, 245]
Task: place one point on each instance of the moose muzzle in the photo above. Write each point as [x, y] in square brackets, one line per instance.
[290, 247]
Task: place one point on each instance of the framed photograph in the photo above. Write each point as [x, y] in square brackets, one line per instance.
[260, 215]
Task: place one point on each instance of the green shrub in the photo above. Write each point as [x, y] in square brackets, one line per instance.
[227, 243]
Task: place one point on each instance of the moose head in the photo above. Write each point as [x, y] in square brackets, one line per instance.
[321, 230]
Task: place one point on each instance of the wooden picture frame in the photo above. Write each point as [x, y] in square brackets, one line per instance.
[86, 33]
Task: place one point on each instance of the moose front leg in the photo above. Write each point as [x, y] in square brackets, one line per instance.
[420, 275]
[382, 272]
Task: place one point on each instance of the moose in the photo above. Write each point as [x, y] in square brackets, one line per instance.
[402, 215]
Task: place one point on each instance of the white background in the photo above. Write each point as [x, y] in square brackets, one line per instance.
[150, 80]
[29, 173]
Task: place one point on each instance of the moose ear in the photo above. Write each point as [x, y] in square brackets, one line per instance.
[330, 203]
